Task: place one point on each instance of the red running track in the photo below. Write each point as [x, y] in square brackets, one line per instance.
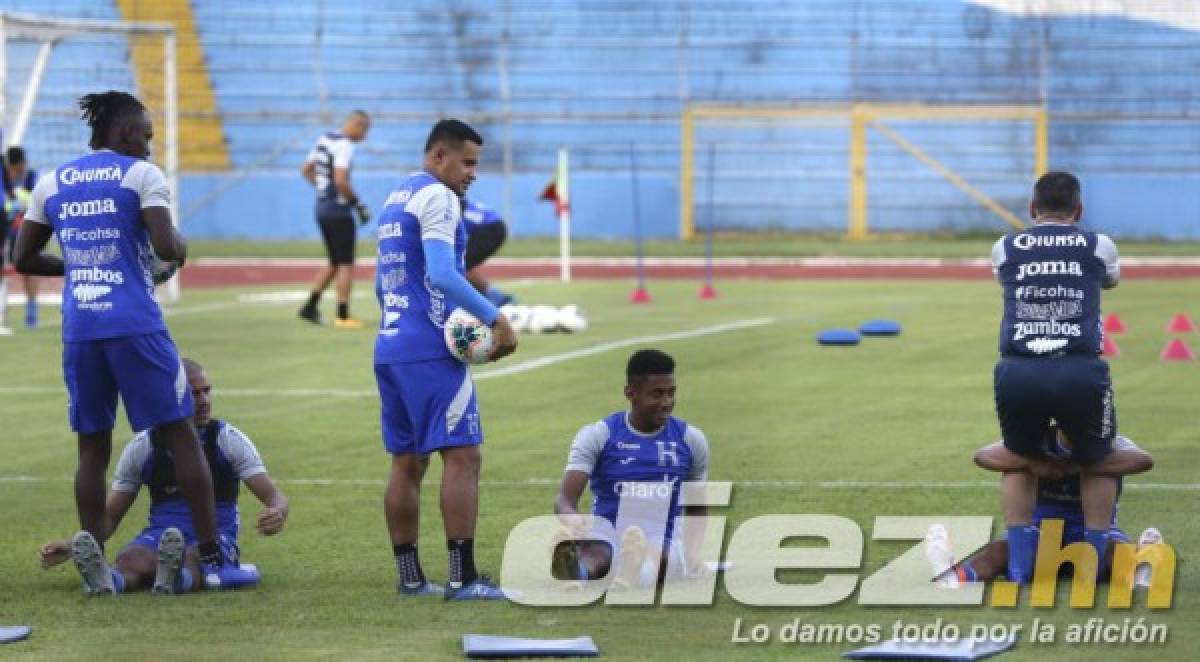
[224, 272]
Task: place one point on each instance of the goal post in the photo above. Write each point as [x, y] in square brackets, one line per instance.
[808, 167]
[47, 63]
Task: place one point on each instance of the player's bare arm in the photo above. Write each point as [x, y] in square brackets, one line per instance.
[29, 257]
[275, 505]
[309, 172]
[167, 242]
[115, 509]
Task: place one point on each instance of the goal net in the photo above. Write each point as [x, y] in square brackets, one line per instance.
[858, 169]
[47, 63]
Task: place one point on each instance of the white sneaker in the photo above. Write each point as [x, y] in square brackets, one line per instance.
[89, 559]
[1141, 576]
[5, 331]
[939, 551]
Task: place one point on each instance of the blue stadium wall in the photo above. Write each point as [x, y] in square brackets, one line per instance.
[598, 77]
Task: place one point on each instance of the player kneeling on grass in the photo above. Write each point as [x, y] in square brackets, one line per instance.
[1058, 497]
[163, 555]
[634, 460]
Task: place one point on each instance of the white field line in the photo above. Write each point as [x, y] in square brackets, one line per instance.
[514, 369]
[742, 484]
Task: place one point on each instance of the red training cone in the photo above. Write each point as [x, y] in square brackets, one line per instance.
[1110, 348]
[708, 291]
[1177, 350]
[640, 295]
[1181, 323]
[1113, 323]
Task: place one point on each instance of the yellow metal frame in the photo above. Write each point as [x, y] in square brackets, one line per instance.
[861, 116]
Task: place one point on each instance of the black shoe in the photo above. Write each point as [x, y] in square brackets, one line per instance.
[310, 314]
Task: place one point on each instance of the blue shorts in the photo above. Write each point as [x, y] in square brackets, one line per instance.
[427, 406]
[144, 370]
[1075, 391]
[150, 536]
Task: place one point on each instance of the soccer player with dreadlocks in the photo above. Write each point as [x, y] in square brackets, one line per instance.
[110, 211]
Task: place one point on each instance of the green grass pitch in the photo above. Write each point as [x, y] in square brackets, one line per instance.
[775, 407]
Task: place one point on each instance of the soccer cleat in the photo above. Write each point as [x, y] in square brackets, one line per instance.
[480, 589]
[1142, 576]
[630, 558]
[310, 314]
[229, 576]
[564, 564]
[168, 576]
[347, 323]
[89, 559]
[423, 589]
[939, 551]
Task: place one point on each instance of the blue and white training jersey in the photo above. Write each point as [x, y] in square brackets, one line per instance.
[476, 215]
[94, 205]
[232, 458]
[614, 455]
[1052, 275]
[414, 311]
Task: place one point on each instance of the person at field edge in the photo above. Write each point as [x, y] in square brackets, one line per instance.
[1050, 340]
[486, 232]
[644, 444]
[327, 168]
[1057, 498]
[163, 556]
[110, 211]
[19, 180]
[427, 398]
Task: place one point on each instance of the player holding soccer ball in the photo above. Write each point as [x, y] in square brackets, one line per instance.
[110, 210]
[427, 396]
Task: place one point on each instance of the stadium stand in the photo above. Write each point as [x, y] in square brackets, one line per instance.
[600, 77]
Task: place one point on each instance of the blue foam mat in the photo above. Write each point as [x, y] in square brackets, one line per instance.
[963, 650]
[838, 337]
[483, 646]
[880, 327]
[11, 633]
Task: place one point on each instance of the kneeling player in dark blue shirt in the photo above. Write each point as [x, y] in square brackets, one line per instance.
[156, 556]
[635, 460]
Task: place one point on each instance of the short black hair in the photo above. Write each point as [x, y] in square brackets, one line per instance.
[646, 362]
[14, 155]
[452, 131]
[103, 110]
[1056, 192]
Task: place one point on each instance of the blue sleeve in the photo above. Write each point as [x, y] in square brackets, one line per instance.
[439, 266]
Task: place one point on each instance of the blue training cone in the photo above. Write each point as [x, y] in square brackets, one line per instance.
[838, 337]
[880, 328]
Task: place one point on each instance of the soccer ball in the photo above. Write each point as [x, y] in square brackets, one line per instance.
[571, 320]
[468, 339]
[518, 317]
[543, 319]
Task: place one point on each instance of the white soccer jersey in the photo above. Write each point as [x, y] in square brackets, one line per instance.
[333, 151]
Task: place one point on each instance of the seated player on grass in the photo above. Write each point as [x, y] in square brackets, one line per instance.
[644, 444]
[486, 232]
[163, 556]
[1057, 498]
